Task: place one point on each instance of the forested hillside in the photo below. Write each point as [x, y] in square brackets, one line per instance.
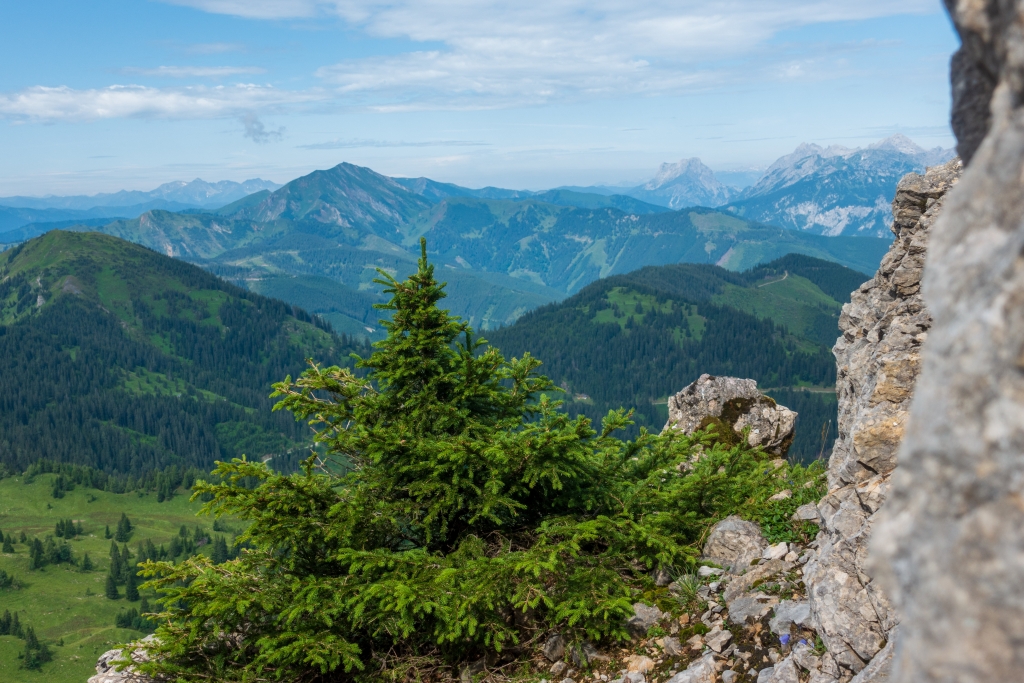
[117, 357]
[632, 340]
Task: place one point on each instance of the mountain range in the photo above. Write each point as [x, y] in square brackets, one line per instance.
[821, 190]
[317, 242]
[41, 213]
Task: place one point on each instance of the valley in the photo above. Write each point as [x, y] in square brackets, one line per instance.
[65, 604]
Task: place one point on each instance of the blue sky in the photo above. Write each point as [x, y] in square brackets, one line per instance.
[127, 94]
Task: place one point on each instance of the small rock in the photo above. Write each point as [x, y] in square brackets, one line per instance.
[705, 572]
[765, 674]
[784, 672]
[714, 586]
[671, 646]
[718, 640]
[775, 552]
[645, 617]
[661, 577]
[634, 677]
[791, 557]
[782, 495]
[790, 612]
[567, 680]
[558, 668]
[808, 512]
[554, 648]
[703, 670]
[639, 663]
[729, 676]
[696, 642]
[750, 605]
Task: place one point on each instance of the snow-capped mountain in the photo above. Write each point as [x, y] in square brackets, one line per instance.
[836, 190]
[685, 183]
[197, 193]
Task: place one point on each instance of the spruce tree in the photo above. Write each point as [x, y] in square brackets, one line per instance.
[124, 529]
[111, 588]
[457, 512]
[106, 532]
[220, 551]
[115, 563]
[36, 653]
[131, 591]
[23, 537]
[16, 629]
[5, 623]
[8, 546]
[87, 565]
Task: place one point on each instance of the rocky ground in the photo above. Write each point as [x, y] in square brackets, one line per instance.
[743, 616]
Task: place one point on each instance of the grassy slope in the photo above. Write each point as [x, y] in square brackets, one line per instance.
[55, 600]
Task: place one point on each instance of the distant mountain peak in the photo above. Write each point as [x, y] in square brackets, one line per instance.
[898, 143]
[689, 168]
[687, 182]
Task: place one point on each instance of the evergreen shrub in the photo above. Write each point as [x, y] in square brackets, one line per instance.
[457, 512]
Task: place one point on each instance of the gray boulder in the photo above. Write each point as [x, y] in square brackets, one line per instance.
[787, 613]
[733, 405]
[554, 648]
[644, 617]
[734, 543]
[949, 544]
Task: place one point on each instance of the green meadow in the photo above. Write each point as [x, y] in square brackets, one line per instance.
[63, 603]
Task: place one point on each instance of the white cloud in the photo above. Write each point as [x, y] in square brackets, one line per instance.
[499, 53]
[43, 104]
[195, 71]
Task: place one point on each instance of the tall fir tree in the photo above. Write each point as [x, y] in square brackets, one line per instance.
[131, 590]
[87, 565]
[111, 588]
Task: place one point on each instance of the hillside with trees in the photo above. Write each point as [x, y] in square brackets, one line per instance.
[632, 340]
[119, 358]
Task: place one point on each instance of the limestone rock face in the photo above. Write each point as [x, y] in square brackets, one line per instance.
[878, 359]
[734, 403]
[949, 543]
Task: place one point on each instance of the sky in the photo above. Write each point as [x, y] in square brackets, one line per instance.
[106, 95]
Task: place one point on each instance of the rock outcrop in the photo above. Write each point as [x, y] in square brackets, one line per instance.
[949, 544]
[878, 357]
[732, 404]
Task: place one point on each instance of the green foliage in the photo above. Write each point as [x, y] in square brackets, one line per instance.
[124, 529]
[110, 589]
[456, 512]
[8, 581]
[10, 625]
[135, 619]
[36, 653]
